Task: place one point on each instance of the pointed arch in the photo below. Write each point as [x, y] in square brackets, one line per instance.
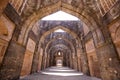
[80, 13]
[59, 27]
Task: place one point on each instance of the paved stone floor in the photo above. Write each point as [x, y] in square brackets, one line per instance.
[54, 70]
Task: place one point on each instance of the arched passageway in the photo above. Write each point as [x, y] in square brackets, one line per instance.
[89, 45]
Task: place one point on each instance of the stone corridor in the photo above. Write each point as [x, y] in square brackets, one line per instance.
[58, 73]
[37, 35]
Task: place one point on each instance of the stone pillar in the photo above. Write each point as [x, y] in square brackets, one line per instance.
[48, 58]
[71, 61]
[35, 61]
[14, 55]
[43, 61]
[79, 64]
[48, 61]
[40, 58]
[13, 59]
[12, 63]
[79, 60]
[84, 60]
[67, 60]
[75, 62]
[51, 59]
[108, 57]
[71, 66]
[28, 57]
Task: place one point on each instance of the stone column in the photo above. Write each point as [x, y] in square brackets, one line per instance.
[79, 60]
[48, 60]
[51, 59]
[75, 62]
[108, 57]
[84, 60]
[43, 61]
[71, 62]
[35, 61]
[67, 60]
[40, 58]
[12, 63]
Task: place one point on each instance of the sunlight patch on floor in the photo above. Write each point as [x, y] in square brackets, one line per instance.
[61, 71]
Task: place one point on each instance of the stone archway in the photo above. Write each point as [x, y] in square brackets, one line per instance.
[108, 59]
[95, 27]
[84, 16]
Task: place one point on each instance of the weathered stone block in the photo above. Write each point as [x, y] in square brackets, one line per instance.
[12, 62]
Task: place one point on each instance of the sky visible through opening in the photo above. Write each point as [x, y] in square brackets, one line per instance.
[59, 30]
[62, 16]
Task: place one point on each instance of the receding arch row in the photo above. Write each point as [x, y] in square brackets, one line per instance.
[47, 39]
[84, 16]
[62, 48]
[42, 38]
[66, 52]
[74, 35]
[57, 38]
[58, 35]
[67, 41]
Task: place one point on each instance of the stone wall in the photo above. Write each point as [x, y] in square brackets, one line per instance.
[6, 28]
[115, 33]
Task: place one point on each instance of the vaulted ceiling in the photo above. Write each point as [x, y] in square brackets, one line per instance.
[27, 7]
[67, 40]
[31, 11]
